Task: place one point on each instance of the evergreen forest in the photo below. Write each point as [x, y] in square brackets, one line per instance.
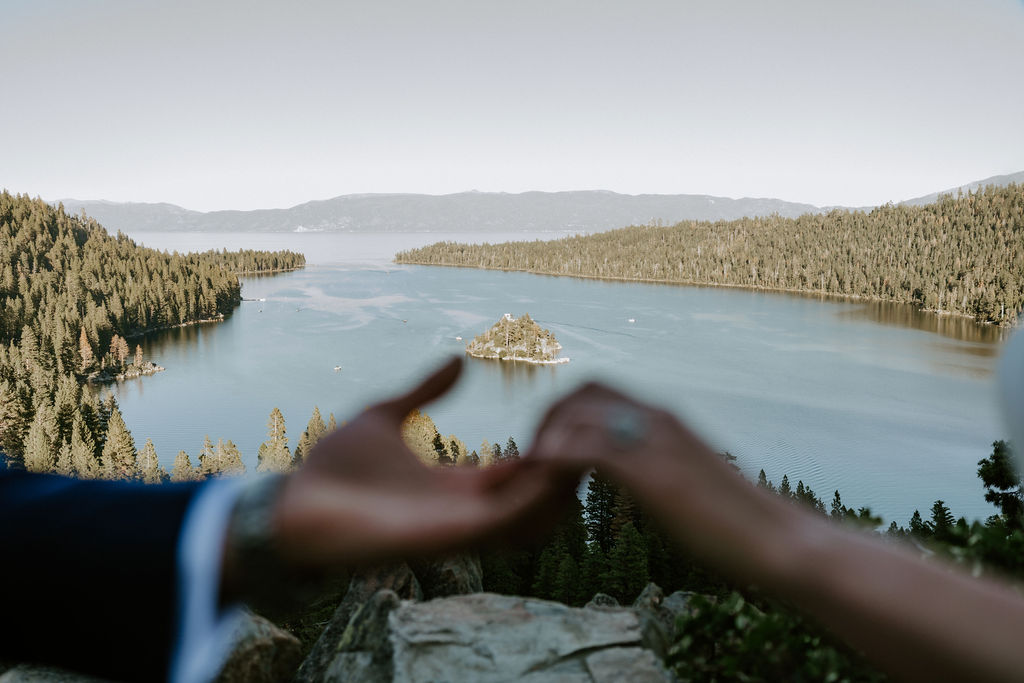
[961, 255]
[71, 296]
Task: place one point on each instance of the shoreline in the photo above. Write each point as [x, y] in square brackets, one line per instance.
[188, 323]
[268, 272]
[694, 283]
[533, 361]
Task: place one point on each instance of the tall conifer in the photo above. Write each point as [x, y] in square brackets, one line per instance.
[119, 455]
[273, 454]
[182, 469]
[150, 471]
[41, 440]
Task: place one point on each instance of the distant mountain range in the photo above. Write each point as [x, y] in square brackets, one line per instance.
[584, 211]
[997, 180]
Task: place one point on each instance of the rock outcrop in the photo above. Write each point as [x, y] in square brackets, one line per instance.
[398, 579]
[31, 673]
[261, 653]
[487, 638]
[384, 632]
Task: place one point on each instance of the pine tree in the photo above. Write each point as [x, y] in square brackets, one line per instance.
[119, 449]
[315, 430]
[65, 463]
[273, 454]
[547, 570]
[1003, 485]
[138, 356]
[86, 357]
[838, 511]
[229, 458]
[89, 408]
[66, 405]
[625, 511]
[511, 450]
[182, 469]
[441, 450]
[118, 350]
[41, 442]
[83, 451]
[784, 489]
[15, 416]
[150, 471]
[942, 521]
[600, 510]
[332, 424]
[566, 586]
[627, 565]
[918, 529]
[209, 466]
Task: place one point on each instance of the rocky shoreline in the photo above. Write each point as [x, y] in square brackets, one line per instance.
[131, 372]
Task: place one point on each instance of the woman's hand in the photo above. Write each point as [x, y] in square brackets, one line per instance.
[695, 493]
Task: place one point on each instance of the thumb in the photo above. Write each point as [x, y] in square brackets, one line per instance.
[430, 388]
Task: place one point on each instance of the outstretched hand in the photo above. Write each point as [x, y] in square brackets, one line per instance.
[699, 497]
[363, 496]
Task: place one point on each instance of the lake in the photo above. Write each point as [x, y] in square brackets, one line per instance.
[889, 405]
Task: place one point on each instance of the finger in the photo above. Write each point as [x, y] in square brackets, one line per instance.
[527, 502]
[576, 443]
[436, 384]
[588, 394]
[492, 477]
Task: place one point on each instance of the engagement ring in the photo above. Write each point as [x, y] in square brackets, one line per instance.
[626, 426]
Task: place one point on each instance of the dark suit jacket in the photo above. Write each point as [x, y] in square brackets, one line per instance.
[88, 573]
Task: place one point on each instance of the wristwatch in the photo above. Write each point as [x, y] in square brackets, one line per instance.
[263, 580]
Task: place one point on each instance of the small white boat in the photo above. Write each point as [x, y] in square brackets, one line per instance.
[631, 320]
[337, 368]
[458, 339]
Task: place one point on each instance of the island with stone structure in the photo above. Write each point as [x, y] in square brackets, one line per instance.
[517, 339]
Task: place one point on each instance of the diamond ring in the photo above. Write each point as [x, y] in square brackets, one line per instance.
[626, 426]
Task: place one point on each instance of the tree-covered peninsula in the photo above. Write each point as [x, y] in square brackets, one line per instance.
[517, 339]
[70, 297]
[962, 255]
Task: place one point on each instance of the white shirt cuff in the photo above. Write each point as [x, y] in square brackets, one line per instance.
[205, 631]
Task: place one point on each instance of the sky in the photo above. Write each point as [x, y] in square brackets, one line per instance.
[244, 105]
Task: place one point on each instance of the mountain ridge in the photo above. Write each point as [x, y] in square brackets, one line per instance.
[469, 211]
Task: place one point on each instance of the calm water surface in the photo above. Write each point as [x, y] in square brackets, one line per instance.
[891, 406]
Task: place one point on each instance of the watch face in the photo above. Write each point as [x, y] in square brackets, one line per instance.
[1011, 385]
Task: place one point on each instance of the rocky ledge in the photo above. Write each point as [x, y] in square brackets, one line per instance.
[430, 622]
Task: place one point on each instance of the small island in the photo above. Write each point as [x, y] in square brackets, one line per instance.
[517, 339]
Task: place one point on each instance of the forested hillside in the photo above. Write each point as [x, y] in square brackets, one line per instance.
[70, 295]
[962, 255]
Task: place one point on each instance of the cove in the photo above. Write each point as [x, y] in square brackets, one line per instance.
[891, 406]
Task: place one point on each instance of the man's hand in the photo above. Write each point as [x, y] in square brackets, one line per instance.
[362, 496]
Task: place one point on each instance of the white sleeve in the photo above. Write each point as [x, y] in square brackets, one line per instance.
[204, 629]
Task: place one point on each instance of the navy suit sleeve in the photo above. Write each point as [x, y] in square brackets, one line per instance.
[89, 573]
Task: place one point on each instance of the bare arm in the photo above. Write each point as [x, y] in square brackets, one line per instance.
[920, 620]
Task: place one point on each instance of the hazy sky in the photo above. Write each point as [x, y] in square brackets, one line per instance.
[254, 104]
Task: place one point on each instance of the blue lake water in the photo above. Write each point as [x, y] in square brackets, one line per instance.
[891, 406]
